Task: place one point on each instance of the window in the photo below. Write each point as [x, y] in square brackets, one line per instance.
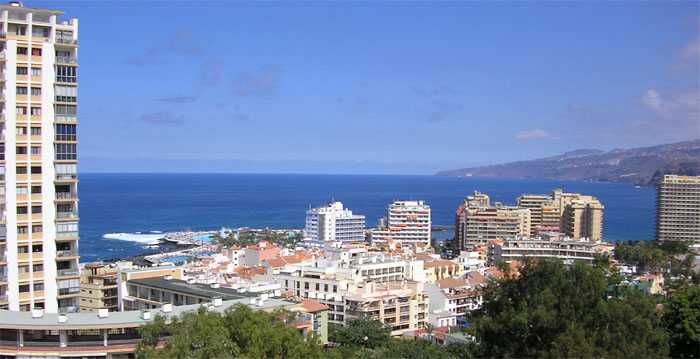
[66, 110]
[36, 170]
[22, 230]
[22, 51]
[66, 151]
[21, 71]
[21, 150]
[66, 93]
[66, 227]
[36, 209]
[21, 110]
[40, 31]
[35, 131]
[36, 111]
[66, 74]
[65, 132]
[23, 249]
[36, 91]
[21, 131]
[38, 287]
[36, 51]
[38, 267]
[22, 191]
[20, 30]
[21, 170]
[37, 248]
[37, 229]
[36, 189]
[335, 289]
[22, 91]
[22, 210]
[24, 288]
[36, 71]
[35, 150]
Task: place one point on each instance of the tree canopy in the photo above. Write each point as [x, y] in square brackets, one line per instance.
[552, 310]
[682, 318]
[239, 332]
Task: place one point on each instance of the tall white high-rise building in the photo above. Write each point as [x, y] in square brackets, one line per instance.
[333, 222]
[38, 160]
[405, 222]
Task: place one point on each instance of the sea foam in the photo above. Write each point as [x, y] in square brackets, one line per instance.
[152, 238]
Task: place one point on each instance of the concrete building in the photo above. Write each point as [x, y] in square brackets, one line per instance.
[406, 222]
[545, 215]
[127, 274]
[478, 225]
[99, 288]
[333, 222]
[564, 248]
[106, 335]
[678, 209]
[38, 160]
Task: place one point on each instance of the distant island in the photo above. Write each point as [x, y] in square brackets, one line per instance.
[641, 166]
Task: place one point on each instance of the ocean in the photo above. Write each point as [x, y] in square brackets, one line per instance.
[170, 202]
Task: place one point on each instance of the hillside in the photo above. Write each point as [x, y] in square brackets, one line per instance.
[641, 165]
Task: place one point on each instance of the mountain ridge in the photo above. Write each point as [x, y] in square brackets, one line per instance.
[641, 165]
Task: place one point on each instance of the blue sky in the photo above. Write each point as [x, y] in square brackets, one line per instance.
[378, 87]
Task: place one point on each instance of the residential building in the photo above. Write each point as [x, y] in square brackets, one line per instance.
[256, 254]
[478, 225]
[440, 269]
[106, 335]
[403, 306]
[127, 274]
[546, 246]
[99, 287]
[333, 222]
[456, 296]
[406, 222]
[678, 209]
[38, 160]
[545, 215]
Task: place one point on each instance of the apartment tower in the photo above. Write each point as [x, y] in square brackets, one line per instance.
[678, 209]
[39, 268]
[333, 222]
[406, 222]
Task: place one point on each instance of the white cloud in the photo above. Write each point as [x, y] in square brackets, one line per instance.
[681, 107]
[652, 100]
[535, 134]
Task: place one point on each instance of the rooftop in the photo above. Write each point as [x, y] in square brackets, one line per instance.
[194, 289]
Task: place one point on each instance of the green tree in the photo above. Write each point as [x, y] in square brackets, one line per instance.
[363, 332]
[551, 310]
[239, 332]
[682, 320]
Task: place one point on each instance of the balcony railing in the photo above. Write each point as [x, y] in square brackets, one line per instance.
[67, 118]
[68, 272]
[66, 195]
[66, 215]
[67, 234]
[66, 176]
[66, 60]
[63, 40]
[66, 253]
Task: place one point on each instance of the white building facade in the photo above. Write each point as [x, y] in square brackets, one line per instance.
[406, 222]
[333, 222]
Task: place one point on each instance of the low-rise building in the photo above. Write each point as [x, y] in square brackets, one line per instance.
[98, 287]
[564, 248]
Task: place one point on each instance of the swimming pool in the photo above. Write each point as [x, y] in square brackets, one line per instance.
[175, 259]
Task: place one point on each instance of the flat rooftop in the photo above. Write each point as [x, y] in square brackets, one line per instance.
[193, 289]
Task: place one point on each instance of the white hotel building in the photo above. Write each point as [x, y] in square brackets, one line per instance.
[406, 222]
[38, 159]
[333, 222]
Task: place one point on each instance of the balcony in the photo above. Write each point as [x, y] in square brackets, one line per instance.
[66, 41]
[69, 272]
[66, 253]
[70, 60]
[67, 215]
[66, 235]
[68, 291]
[67, 118]
[66, 176]
[66, 196]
